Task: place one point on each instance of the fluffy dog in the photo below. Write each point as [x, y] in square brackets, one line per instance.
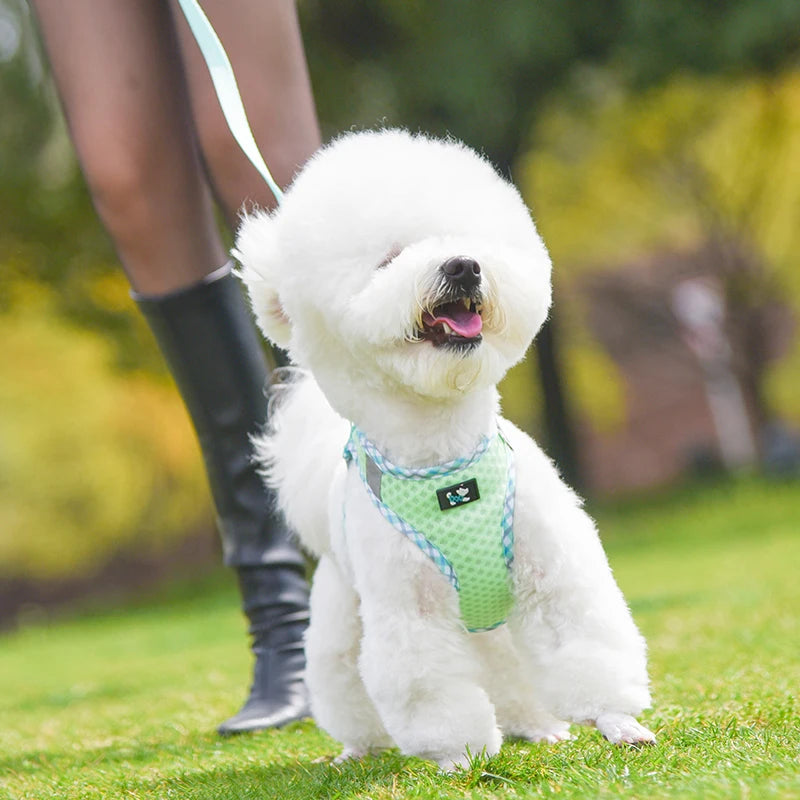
[462, 593]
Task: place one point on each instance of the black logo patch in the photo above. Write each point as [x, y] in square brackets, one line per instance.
[457, 495]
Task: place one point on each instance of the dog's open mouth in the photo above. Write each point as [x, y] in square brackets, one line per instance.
[455, 324]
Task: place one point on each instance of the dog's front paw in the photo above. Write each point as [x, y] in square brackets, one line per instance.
[466, 758]
[351, 754]
[453, 763]
[623, 729]
[539, 727]
[552, 733]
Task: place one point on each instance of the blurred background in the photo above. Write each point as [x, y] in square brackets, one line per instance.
[657, 143]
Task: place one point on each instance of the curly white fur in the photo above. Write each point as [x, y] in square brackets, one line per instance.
[341, 274]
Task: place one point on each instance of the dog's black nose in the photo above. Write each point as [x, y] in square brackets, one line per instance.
[462, 271]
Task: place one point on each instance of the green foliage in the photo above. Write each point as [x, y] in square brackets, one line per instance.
[711, 577]
[482, 70]
[604, 174]
[91, 460]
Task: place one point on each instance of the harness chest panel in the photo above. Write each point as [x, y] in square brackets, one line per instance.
[460, 514]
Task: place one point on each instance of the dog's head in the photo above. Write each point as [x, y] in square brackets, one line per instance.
[398, 263]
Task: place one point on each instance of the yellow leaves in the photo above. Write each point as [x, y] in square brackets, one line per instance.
[615, 175]
[110, 291]
[593, 208]
[521, 393]
[90, 461]
[596, 386]
[782, 385]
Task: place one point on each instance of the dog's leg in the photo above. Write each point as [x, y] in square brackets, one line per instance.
[416, 661]
[584, 675]
[421, 678]
[623, 729]
[339, 700]
[571, 624]
[587, 667]
[519, 714]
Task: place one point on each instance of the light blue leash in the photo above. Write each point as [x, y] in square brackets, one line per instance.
[219, 66]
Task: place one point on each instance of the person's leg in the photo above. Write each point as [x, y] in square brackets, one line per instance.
[265, 48]
[263, 43]
[120, 79]
[207, 335]
[123, 92]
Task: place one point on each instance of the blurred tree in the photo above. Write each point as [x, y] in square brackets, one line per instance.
[483, 70]
[704, 164]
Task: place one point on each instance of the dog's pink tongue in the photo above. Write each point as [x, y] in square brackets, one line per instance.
[464, 322]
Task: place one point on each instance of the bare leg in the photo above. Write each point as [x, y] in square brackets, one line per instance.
[122, 87]
[263, 42]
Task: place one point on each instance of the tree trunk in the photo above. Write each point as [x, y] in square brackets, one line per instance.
[560, 443]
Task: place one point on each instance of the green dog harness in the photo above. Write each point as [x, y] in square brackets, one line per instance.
[460, 514]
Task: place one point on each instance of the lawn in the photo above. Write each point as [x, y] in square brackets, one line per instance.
[123, 702]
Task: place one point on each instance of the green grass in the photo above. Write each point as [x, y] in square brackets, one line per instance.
[124, 703]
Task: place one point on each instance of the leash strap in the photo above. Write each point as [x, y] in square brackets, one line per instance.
[230, 100]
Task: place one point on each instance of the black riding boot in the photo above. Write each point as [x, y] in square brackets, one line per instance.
[208, 339]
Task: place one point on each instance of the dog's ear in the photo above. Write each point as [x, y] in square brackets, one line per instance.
[255, 251]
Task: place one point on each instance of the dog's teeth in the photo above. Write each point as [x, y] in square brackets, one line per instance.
[447, 329]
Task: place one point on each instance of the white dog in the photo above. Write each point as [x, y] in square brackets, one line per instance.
[462, 593]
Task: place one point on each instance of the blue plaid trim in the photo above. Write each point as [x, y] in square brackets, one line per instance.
[420, 473]
[507, 522]
[490, 628]
[427, 547]
[419, 539]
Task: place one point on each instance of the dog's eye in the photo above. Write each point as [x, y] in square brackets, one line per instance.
[395, 251]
